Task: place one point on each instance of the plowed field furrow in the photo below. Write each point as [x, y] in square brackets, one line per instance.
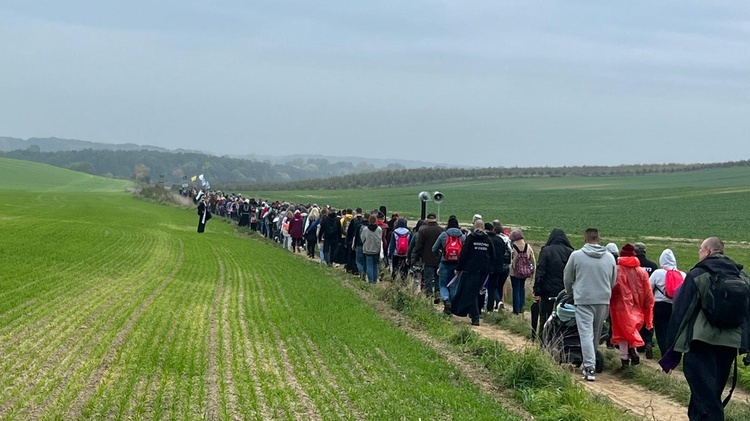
[76, 343]
[317, 380]
[252, 398]
[97, 375]
[72, 286]
[279, 397]
[216, 320]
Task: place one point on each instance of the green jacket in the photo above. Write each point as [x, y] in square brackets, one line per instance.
[688, 322]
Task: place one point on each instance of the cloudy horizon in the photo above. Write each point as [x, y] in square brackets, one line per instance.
[480, 83]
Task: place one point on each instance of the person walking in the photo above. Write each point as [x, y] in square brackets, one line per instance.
[631, 306]
[709, 329]
[502, 251]
[589, 277]
[663, 295]
[398, 250]
[548, 280]
[474, 266]
[522, 267]
[372, 243]
[427, 236]
[330, 233]
[649, 266]
[448, 246]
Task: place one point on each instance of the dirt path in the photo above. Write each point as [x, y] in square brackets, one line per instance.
[633, 398]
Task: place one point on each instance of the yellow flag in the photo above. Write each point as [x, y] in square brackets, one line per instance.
[193, 178]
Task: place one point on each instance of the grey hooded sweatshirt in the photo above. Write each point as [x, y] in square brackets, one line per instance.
[590, 275]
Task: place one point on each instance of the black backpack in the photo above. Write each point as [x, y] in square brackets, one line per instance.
[726, 301]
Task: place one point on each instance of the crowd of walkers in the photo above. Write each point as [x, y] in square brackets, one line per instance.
[466, 268]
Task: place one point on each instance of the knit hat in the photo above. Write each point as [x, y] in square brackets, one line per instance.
[627, 250]
[640, 248]
[516, 234]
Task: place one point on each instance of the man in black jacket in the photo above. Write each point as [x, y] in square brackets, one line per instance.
[708, 349]
[354, 243]
[474, 266]
[427, 235]
[549, 273]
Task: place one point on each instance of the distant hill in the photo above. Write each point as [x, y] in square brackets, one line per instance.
[54, 144]
[389, 164]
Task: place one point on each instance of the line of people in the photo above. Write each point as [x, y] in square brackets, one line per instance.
[703, 314]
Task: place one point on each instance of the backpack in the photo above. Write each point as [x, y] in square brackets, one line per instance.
[523, 267]
[726, 301]
[453, 247]
[330, 228]
[402, 244]
[672, 280]
[507, 256]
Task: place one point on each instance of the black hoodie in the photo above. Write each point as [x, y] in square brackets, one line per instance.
[551, 263]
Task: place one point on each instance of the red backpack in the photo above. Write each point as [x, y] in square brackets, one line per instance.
[672, 281]
[453, 246]
[402, 244]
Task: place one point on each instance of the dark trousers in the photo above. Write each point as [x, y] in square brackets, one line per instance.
[430, 287]
[545, 310]
[706, 369]
[330, 246]
[662, 313]
[399, 267]
[493, 284]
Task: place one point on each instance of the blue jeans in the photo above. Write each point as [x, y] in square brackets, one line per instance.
[360, 260]
[371, 267]
[519, 294]
[446, 274]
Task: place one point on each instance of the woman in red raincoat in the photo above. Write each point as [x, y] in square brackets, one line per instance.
[631, 306]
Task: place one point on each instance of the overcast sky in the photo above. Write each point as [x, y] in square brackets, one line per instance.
[484, 83]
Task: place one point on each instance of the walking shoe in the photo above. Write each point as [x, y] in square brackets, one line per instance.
[447, 307]
[625, 364]
[649, 350]
[475, 322]
[436, 300]
[634, 358]
[588, 374]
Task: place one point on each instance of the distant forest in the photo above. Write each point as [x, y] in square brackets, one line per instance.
[176, 167]
[398, 178]
[233, 174]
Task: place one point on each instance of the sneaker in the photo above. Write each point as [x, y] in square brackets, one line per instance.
[588, 374]
[447, 307]
[475, 322]
[436, 300]
[635, 359]
[624, 364]
[649, 350]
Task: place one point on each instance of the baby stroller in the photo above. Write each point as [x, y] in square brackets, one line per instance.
[560, 335]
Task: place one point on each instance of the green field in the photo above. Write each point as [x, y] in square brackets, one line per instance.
[112, 307]
[675, 210]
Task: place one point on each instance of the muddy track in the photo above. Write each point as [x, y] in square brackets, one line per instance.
[630, 397]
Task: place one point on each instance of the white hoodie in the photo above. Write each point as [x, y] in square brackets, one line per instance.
[658, 278]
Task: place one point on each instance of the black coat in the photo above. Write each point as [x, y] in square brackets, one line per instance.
[477, 254]
[551, 263]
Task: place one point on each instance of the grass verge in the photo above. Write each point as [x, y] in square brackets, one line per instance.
[542, 387]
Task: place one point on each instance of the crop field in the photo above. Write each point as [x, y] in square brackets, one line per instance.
[115, 308]
[675, 210]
